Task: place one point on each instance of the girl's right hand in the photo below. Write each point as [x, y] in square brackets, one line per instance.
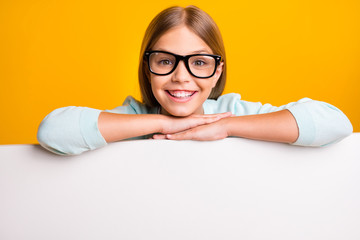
[178, 124]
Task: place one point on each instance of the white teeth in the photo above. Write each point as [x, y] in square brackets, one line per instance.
[181, 94]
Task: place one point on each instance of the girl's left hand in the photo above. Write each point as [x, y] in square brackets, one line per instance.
[208, 132]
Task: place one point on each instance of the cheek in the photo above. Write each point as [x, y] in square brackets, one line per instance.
[153, 81]
[156, 83]
[212, 82]
[207, 87]
[215, 79]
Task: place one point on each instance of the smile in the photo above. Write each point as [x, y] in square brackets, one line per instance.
[181, 95]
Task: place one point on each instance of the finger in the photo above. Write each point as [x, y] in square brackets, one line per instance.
[217, 117]
[186, 135]
[204, 119]
[182, 124]
[159, 136]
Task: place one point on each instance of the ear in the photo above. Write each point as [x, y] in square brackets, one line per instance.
[217, 74]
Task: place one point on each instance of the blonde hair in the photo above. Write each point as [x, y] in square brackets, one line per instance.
[196, 20]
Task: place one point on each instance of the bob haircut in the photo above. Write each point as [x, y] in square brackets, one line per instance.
[196, 20]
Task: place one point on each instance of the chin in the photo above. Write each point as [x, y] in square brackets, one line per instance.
[179, 113]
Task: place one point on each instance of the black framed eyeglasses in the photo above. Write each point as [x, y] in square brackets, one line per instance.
[198, 65]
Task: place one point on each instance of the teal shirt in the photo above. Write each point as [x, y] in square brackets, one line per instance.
[73, 130]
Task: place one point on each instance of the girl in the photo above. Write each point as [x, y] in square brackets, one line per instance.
[182, 74]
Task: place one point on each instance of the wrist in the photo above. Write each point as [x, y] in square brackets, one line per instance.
[163, 123]
[227, 125]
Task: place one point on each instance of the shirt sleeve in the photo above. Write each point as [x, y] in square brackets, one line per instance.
[74, 130]
[71, 130]
[319, 123]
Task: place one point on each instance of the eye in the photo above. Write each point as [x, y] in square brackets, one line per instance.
[199, 63]
[165, 62]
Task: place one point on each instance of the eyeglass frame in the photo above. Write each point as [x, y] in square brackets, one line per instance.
[185, 59]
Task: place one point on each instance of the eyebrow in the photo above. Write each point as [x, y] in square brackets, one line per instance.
[200, 51]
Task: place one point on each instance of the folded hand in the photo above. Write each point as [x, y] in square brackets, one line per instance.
[199, 127]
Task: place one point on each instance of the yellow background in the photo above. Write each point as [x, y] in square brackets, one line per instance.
[85, 53]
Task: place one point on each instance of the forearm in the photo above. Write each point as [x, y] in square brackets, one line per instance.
[115, 127]
[278, 126]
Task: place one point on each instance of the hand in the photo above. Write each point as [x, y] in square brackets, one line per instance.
[177, 124]
[209, 132]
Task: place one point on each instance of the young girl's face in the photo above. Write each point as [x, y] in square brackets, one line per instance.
[180, 93]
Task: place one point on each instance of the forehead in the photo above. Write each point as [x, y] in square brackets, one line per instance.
[181, 40]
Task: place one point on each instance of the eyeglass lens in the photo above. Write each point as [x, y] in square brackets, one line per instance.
[200, 65]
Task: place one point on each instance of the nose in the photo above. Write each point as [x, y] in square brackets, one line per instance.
[181, 74]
